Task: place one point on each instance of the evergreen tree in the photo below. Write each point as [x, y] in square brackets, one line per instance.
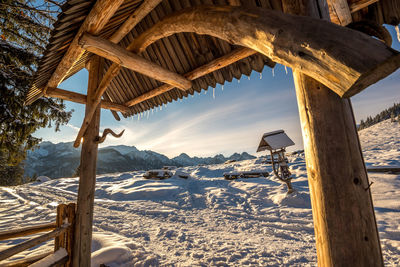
[391, 113]
[24, 31]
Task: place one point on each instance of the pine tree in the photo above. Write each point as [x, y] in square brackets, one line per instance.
[24, 32]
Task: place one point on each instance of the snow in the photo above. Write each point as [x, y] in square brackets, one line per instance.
[277, 140]
[51, 259]
[205, 220]
[42, 179]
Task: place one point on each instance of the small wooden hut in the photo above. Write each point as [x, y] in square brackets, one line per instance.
[141, 54]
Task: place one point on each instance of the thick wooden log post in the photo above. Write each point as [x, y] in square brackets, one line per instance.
[345, 227]
[87, 181]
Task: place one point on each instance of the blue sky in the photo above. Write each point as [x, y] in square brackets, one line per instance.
[232, 121]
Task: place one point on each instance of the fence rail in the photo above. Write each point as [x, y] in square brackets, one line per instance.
[27, 231]
[61, 231]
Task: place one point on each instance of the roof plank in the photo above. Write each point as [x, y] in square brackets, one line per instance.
[98, 17]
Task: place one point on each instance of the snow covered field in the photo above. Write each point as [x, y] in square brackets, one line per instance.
[206, 220]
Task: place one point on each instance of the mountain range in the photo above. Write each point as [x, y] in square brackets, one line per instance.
[62, 160]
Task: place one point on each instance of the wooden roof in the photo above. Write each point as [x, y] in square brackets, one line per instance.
[180, 53]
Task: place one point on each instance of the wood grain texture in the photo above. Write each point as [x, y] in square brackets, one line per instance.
[59, 241]
[32, 242]
[87, 181]
[339, 12]
[355, 6]
[214, 65]
[145, 8]
[27, 231]
[345, 227]
[354, 63]
[82, 99]
[98, 17]
[336, 174]
[121, 56]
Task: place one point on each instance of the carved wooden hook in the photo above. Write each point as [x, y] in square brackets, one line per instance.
[107, 131]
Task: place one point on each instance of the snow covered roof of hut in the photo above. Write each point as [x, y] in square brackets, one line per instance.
[274, 140]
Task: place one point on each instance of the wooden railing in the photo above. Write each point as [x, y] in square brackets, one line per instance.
[61, 231]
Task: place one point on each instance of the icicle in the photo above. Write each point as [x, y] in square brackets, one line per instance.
[273, 72]
[222, 87]
[260, 75]
[238, 80]
[213, 93]
[398, 32]
[160, 107]
[152, 110]
[205, 92]
[248, 77]
[138, 117]
[286, 70]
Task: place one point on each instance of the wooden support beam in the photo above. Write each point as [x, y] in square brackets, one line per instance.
[116, 53]
[339, 12]
[214, 65]
[121, 56]
[145, 8]
[100, 14]
[113, 112]
[87, 181]
[352, 64]
[234, 2]
[339, 186]
[355, 6]
[82, 99]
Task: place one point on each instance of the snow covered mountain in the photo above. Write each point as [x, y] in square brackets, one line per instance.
[62, 159]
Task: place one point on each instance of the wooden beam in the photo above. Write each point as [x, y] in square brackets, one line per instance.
[113, 112]
[355, 6]
[82, 99]
[336, 172]
[32, 242]
[234, 2]
[100, 14]
[87, 181]
[214, 65]
[339, 12]
[121, 56]
[354, 63]
[27, 261]
[145, 8]
[27, 231]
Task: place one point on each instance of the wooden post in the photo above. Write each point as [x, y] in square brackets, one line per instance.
[344, 221]
[69, 235]
[59, 241]
[84, 216]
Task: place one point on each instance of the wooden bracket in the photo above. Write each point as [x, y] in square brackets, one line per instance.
[107, 131]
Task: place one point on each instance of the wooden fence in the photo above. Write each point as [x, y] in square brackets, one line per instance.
[62, 230]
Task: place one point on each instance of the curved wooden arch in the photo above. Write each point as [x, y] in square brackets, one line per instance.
[342, 59]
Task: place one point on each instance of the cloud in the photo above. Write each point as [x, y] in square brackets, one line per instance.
[76, 129]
